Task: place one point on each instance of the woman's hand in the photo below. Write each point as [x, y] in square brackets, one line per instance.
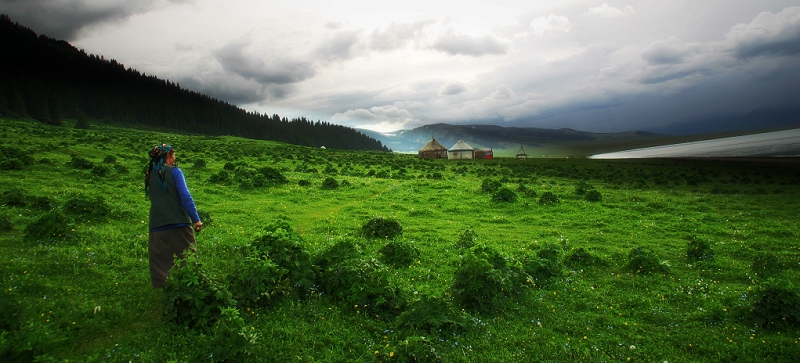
[198, 226]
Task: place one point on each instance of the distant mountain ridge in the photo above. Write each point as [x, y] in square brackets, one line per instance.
[493, 136]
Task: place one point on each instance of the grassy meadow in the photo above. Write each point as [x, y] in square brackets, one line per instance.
[319, 255]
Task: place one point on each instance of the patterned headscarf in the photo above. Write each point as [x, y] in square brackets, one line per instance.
[158, 161]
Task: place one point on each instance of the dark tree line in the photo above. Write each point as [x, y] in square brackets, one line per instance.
[49, 80]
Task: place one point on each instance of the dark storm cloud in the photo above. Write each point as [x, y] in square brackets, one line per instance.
[270, 70]
[460, 44]
[65, 19]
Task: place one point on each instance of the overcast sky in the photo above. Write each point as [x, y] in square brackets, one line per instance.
[386, 65]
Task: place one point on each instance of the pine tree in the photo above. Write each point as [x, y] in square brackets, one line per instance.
[83, 122]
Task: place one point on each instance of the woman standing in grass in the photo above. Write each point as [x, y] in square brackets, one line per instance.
[172, 213]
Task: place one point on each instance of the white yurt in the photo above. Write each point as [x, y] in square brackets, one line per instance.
[461, 150]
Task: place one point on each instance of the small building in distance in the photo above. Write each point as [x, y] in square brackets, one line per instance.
[432, 150]
[461, 150]
[484, 153]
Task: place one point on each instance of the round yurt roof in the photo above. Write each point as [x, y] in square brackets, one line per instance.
[433, 145]
[461, 146]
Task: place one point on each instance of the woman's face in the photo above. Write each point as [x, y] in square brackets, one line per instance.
[170, 159]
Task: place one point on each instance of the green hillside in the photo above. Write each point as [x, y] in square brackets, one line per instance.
[320, 255]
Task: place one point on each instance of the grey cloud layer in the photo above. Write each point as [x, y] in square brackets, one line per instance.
[581, 68]
[65, 19]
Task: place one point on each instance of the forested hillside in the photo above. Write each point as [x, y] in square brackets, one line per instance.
[50, 80]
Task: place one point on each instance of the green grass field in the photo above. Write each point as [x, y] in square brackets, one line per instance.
[504, 260]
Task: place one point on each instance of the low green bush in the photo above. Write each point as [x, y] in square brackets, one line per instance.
[52, 226]
[223, 176]
[548, 198]
[12, 164]
[525, 191]
[272, 175]
[200, 164]
[42, 203]
[87, 208]
[5, 223]
[593, 196]
[101, 170]
[399, 253]
[358, 280]
[193, 298]
[504, 195]
[258, 281]
[329, 184]
[414, 349]
[14, 198]
[582, 258]
[231, 338]
[582, 187]
[485, 279]
[490, 185]
[380, 227]
[545, 264]
[699, 250]
[79, 162]
[467, 239]
[283, 246]
[13, 158]
[777, 306]
[642, 260]
[766, 264]
[430, 314]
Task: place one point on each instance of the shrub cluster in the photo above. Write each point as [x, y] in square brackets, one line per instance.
[14, 198]
[51, 226]
[86, 208]
[13, 158]
[581, 258]
[399, 253]
[699, 250]
[766, 264]
[467, 239]
[545, 264]
[79, 162]
[432, 313]
[193, 298]
[380, 227]
[247, 177]
[504, 195]
[642, 260]
[329, 184]
[548, 198]
[350, 276]
[283, 246]
[484, 279]
[777, 306]
[490, 186]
